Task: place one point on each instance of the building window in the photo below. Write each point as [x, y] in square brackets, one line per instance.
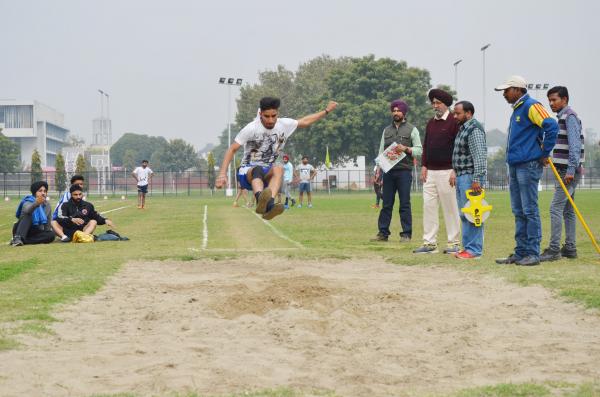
[17, 116]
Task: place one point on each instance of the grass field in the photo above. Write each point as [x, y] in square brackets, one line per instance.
[34, 280]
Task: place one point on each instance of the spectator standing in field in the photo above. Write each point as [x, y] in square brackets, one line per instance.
[531, 137]
[377, 185]
[78, 214]
[305, 172]
[399, 178]
[266, 135]
[142, 176]
[33, 218]
[469, 161]
[75, 180]
[288, 176]
[437, 176]
[568, 157]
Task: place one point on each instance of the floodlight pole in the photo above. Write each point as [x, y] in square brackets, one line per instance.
[485, 47]
[456, 75]
[229, 82]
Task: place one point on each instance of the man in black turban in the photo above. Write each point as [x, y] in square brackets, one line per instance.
[33, 214]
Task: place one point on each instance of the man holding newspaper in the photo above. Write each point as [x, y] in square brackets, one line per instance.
[400, 142]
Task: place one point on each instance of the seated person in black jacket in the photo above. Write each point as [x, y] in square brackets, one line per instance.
[77, 214]
[33, 213]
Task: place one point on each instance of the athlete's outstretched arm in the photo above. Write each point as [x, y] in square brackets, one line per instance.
[306, 121]
[222, 177]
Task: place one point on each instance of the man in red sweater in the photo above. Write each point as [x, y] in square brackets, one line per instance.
[438, 176]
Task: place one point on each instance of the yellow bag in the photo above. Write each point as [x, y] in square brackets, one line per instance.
[81, 237]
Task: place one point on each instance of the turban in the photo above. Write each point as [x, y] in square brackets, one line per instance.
[401, 105]
[75, 188]
[285, 156]
[441, 96]
[35, 186]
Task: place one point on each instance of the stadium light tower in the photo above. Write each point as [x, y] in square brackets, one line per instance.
[229, 82]
[456, 75]
[485, 47]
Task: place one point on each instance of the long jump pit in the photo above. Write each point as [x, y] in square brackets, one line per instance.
[352, 328]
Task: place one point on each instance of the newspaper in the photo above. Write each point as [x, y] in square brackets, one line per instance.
[389, 158]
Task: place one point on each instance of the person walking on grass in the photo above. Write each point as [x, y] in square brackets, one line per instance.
[266, 136]
[568, 157]
[437, 176]
[142, 176]
[377, 186]
[531, 138]
[288, 176]
[469, 163]
[399, 178]
[306, 173]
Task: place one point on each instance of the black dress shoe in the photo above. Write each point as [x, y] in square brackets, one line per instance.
[512, 258]
[528, 261]
[550, 255]
[570, 253]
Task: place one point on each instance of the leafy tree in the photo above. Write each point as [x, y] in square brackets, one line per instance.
[178, 156]
[80, 165]
[142, 146]
[9, 154]
[129, 159]
[60, 176]
[36, 167]
[211, 171]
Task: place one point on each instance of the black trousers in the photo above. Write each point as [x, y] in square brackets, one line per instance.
[396, 180]
[31, 234]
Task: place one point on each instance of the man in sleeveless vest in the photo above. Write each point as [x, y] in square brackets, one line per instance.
[531, 137]
[568, 157]
[399, 178]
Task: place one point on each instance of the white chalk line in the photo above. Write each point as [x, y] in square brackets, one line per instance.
[205, 229]
[238, 250]
[277, 232]
[116, 209]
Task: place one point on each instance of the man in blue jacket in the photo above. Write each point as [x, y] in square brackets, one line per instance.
[531, 138]
[33, 214]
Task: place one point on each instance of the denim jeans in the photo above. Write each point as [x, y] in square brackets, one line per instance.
[396, 181]
[472, 236]
[561, 209]
[523, 182]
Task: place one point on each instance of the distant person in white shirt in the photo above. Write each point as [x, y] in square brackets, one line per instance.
[142, 176]
[306, 173]
[263, 140]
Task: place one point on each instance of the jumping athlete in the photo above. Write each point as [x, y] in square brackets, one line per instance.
[263, 140]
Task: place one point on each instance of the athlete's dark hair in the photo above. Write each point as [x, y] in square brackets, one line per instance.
[467, 106]
[268, 102]
[77, 178]
[304, 157]
[144, 161]
[560, 90]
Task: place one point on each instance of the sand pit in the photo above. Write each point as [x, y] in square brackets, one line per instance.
[358, 328]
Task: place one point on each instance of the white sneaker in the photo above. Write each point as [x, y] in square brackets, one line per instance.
[299, 206]
[310, 206]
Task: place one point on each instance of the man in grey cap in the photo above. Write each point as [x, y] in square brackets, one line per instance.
[531, 137]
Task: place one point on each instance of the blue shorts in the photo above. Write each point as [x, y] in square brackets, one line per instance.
[244, 182]
[304, 187]
[143, 189]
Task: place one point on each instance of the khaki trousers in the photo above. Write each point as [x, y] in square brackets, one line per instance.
[436, 191]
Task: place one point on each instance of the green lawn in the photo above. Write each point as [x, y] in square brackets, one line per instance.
[34, 279]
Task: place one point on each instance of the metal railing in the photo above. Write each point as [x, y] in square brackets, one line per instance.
[191, 183]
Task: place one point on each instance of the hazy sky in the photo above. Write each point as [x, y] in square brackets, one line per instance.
[160, 60]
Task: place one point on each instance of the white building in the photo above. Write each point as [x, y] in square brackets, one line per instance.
[33, 125]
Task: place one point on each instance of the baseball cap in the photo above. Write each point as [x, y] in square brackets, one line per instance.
[512, 81]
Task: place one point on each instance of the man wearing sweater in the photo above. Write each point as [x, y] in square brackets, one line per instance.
[568, 157]
[438, 177]
[531, 137]
[399, 178]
